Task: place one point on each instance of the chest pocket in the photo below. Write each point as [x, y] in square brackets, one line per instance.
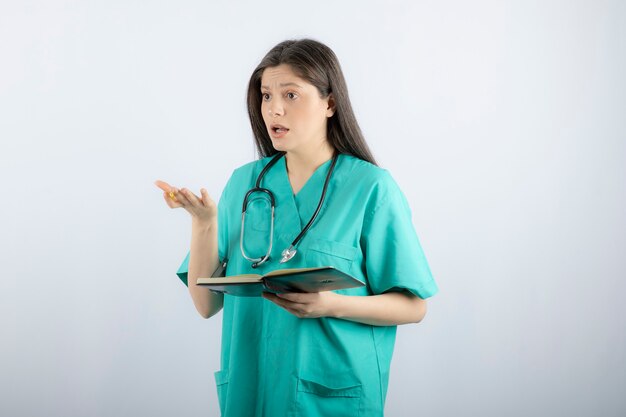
[322, 252]
[259, 214]
[257, 227]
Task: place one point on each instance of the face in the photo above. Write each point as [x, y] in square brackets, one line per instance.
[294, 113]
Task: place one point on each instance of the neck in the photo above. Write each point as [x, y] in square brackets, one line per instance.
[304, 163]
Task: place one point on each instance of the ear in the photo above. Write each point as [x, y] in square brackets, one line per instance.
[330, 110]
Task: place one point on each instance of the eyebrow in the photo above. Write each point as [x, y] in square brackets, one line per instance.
[264, 87]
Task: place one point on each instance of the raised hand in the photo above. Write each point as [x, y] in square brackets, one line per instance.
[202, 209]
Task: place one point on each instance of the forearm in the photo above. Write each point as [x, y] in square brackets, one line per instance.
[203, 261]
[387, 309]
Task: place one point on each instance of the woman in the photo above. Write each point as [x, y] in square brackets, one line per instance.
[319, 354]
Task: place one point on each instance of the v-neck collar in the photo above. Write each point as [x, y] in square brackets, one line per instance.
[319, 175]
[299, 207]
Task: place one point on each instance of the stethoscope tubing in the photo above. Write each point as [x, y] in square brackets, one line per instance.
[319, 205]
[257, 188]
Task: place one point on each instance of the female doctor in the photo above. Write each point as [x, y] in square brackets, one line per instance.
[326, 353]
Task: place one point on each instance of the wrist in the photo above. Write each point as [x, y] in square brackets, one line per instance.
[336, 305]
[203, 224]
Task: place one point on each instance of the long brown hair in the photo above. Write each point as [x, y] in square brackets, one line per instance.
[318, 65]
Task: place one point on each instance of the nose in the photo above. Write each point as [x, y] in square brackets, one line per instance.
[275, 108]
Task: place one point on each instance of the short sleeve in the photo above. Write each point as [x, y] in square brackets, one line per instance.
[222, 234]
[183, 269]
[394, 259]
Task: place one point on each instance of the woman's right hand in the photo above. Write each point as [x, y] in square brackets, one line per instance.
[202, 209]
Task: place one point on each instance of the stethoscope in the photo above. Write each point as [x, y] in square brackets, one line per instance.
[291, 251]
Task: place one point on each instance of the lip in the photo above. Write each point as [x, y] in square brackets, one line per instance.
[274, 126]
[275, 134]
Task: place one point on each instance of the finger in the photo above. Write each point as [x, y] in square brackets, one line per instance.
[296, 309]
[171, 193]
[268, 296]
[193, 199]
[168, 189]
[163, 185]
[171, 203]
[295, 297]
[182, 197]
[206, 199]
[286, 304]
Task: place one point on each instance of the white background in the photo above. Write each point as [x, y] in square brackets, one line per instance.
[502, 121]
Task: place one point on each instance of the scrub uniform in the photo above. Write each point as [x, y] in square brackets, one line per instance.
[276, 364]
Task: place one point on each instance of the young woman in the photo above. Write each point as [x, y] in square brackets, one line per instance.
[319, 354]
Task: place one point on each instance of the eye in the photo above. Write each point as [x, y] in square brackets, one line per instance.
[292, 96]
[265, 96]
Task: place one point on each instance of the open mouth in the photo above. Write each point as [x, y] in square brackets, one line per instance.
[278, 129]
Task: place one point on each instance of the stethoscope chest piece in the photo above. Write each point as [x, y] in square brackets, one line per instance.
[288, 253]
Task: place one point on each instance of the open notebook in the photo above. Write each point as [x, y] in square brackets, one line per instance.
[319, 279]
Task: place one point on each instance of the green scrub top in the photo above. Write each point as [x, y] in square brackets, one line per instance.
[276, 364]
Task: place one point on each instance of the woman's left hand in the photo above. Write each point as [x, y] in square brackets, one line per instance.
[305, 305]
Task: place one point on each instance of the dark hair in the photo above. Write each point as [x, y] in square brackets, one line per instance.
[318, 65]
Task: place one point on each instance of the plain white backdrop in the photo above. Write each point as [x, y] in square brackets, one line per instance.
[502, 121]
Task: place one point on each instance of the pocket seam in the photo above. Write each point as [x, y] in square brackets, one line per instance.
[312, 387]
[221, 377]
[343, 250]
